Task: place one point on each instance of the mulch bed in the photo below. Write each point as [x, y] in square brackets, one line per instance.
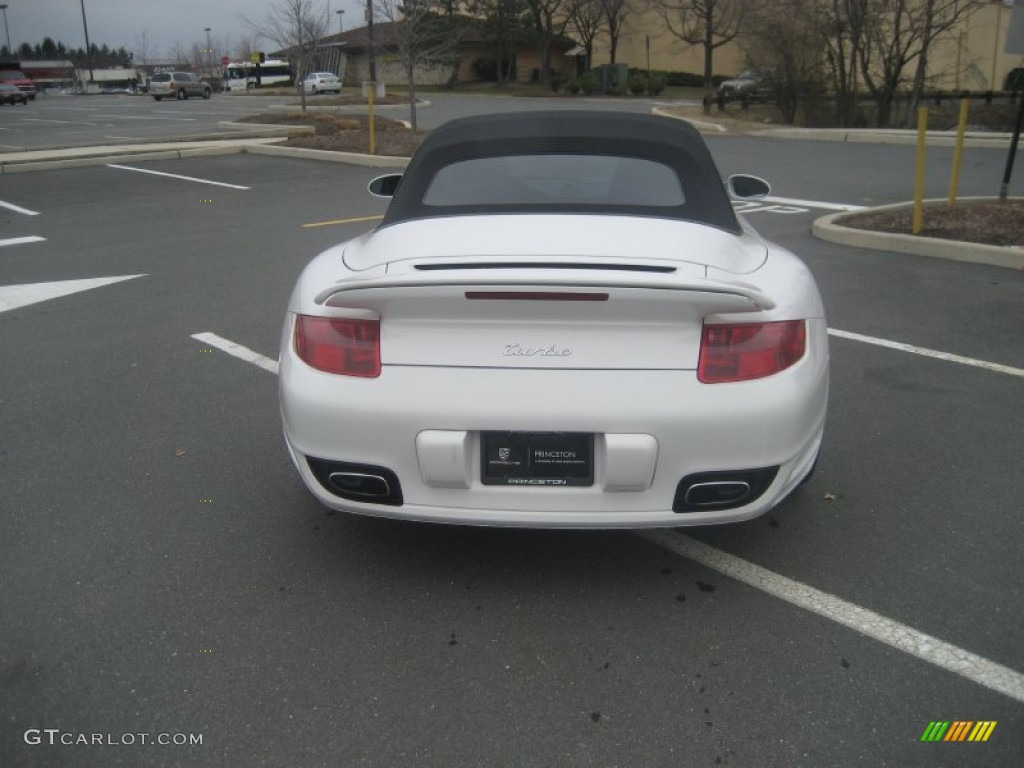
[975, 221]
[348, 133]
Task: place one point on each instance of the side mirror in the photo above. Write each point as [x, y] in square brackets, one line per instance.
[746, 187]
[384, 186]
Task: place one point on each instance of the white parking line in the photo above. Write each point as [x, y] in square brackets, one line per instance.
[237, 350]
[176, 176]
[22, 240]
[813, 204]
[18, 209]
[941, 654]
[147, 117]
[925, 352]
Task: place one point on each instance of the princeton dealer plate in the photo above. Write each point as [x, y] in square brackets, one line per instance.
[537, 458]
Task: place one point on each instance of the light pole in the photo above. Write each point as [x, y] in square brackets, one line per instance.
[372, 58]
[88, 51]
[6, 30]
[341, 15]
[209, 53]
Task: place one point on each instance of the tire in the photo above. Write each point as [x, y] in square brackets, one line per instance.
[314, 90]
[206, 93]
[158, 98]
[181, 94]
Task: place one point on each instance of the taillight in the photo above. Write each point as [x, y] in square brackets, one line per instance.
[749, 350]
[339, 345]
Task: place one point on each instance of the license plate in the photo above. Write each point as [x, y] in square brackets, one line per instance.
[547, 459]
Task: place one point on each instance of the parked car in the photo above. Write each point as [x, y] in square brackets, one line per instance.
[17, 78]
[751, 84]
[321, 82]
[177, 85]
[10, 94]
[560, 321]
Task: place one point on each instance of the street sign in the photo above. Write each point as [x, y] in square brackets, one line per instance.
[224, 61]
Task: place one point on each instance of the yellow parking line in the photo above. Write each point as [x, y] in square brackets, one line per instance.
[341, 221]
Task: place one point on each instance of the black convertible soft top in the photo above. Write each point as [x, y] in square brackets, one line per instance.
[669, 143]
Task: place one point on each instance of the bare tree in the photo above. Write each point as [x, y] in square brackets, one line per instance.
[894, 35]
[504, 28]
[181, 55]
[839, 22]
[708, 23]
[616, 12]
[295, 26]
[588, 17]
[143, 48]
[424, 36]
[549, 19]
[785, 37]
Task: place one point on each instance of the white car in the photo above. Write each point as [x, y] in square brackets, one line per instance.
[560, 322]
[321, 82]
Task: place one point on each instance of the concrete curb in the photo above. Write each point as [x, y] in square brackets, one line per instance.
[268, 129]
[91, 156]
[701, 125]
[324, 155]
[830, 229]
[859, 136]
[344, 109]
[868, 136]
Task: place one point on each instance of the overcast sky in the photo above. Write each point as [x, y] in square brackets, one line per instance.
[121, 22]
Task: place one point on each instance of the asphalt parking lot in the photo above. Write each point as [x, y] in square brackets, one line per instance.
[165, 573]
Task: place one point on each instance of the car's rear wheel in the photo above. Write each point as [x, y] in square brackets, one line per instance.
[158, 98]
[182, 95]
[206, 93]
[314, 90]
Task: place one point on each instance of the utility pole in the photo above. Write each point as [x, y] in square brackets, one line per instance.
[209, 53]
[88, 48]
[10, 54]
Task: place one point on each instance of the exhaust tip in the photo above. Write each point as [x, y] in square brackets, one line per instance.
[357, 482]
[712, 491]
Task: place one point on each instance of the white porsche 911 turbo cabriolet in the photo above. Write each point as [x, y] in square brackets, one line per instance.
[559, 322]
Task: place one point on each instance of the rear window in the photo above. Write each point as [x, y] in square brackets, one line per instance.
[12, 74]
[163, 77]
[556, 179]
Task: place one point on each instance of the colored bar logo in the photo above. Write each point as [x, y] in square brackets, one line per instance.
[958, 730]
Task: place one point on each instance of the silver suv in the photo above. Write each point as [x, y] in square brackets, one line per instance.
[177, 85]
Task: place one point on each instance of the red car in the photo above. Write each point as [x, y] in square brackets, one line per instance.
[17, 78]
[9, 94]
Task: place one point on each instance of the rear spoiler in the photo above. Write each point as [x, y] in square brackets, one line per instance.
[713, 296]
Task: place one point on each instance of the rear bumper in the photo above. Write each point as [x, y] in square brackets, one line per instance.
[652, 428]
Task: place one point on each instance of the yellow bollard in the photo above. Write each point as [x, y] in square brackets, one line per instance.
[917, 223]
[373, 128]
[961, 129]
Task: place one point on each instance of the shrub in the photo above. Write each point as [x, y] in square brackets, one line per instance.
[589, 83]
